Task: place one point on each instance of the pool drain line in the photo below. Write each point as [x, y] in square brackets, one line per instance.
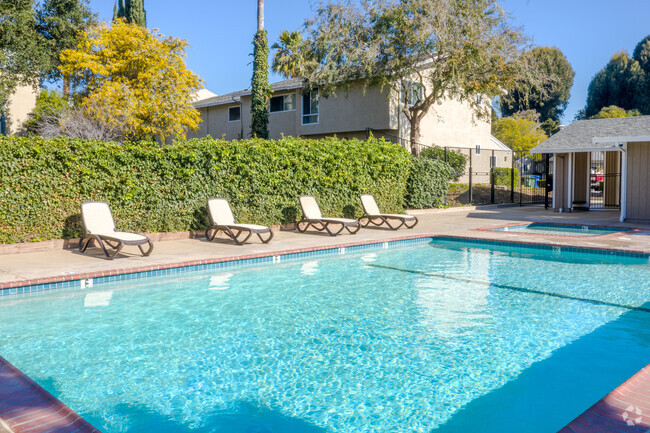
[512, 288]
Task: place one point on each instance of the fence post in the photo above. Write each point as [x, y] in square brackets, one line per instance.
[367, 134]
[547, 176]
[492, 164]
[512, 178]
[471, 192]
[446, 157]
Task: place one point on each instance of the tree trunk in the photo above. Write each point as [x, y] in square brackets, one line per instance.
[415, 134]
[260, 15]
[66, 88]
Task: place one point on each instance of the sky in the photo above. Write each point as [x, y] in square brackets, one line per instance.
[220, 33]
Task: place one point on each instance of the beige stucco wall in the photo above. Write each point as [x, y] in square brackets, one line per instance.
[216, 125]
[19, 107]
[638, 181]
[581, 173]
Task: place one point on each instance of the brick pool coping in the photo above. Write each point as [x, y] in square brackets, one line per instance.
[27, 407]
[624, 410]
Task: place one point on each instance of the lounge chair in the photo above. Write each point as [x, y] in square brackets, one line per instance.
[99, 225]
[374, 216]
[312, 217]
[223, 220]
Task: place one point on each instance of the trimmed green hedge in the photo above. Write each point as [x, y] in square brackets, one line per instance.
[455, 159]
[502, 176]
[428, 184]
[156, 189]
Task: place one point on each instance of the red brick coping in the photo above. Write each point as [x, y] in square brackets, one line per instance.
[624, 410]
[26, 407]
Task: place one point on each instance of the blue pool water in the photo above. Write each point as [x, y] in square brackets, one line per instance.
[447, 337]
[561, 229]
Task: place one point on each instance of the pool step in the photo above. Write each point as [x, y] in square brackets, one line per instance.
[26, 407]
[626, 409]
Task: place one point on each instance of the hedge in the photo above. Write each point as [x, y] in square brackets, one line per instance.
[156, 189]
[428, 183]
[455, 159]
[502, 176]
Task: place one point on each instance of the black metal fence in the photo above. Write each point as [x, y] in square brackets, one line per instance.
[491, 176]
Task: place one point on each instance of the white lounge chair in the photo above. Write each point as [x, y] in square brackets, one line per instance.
[223, 220]
[312, 217]
[99, 225]
[374, 216]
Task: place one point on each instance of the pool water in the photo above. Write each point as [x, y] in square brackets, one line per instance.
[561, 229]
[448, 337]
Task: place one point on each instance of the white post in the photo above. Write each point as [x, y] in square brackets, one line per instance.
[588, 201]
[623, 147]
[570, 183]
[554, 179]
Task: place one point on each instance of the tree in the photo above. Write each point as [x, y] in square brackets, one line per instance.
[23, 50]
[288, 59]
[61, 22]
[132, 11]
[520, 132]
[428, 50]
[137, 81]
[615, 112]
[550, 96]
[642, 54]
[260, 88]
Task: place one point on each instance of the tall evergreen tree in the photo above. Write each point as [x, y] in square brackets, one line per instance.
[61, 22]
[132, 11]
[260, 88]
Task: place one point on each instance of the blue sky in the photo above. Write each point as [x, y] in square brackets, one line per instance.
[220, 32]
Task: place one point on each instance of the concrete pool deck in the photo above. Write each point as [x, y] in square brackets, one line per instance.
[32, 266]
[37, 267]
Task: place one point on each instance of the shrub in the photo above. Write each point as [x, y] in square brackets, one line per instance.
[502, 176]
[155, 189]
[428, 183]
[455, 159]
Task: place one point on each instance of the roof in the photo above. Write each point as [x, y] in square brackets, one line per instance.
[498, 144]
[235, 97]
[203, 94]
[596, 135]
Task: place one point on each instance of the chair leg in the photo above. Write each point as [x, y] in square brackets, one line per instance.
[352, 232]
[303, 230]
[116, 252]
[148, 252]
[259, 235]
[366, 218]
[411, 226]
[83, 246]
[331, 233]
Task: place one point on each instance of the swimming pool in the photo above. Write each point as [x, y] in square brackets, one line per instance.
[561, 229]
[448, 336]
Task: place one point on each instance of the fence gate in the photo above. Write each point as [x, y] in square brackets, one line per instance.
[535, 178]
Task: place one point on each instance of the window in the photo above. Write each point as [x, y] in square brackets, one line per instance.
[415, 93]
[234, 114]
[310, 108]
[478, 149]
[282, 103]
[493, 161]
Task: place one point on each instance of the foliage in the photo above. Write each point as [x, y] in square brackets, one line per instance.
[455, 159]
[132, 11]
[624, 82]
[152, 188]
[23, 51]
[550, 95]
[447, 48]
[288, 58]
[428, 183]
[550, 127]
[137, 81]
[49, 103]
[521, 132]
[260, 88]
[615, 112]
[62, 22]
[502, 176]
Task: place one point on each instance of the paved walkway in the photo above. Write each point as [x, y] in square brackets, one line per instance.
[459, 221]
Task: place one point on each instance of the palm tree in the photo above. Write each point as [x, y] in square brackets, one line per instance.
[288, 59]
[260, 15]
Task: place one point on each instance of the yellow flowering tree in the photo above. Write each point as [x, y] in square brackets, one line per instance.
[136, 80]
